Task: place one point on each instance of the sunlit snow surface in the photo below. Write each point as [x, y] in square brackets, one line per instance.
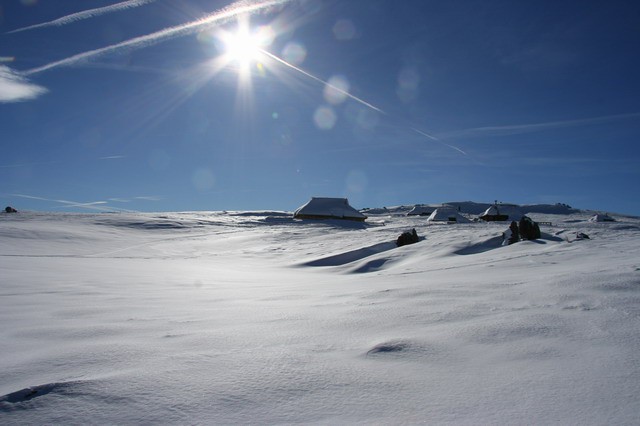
[236, 318]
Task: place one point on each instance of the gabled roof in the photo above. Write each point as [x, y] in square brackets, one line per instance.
[420, 210]
[491, 211]
[328, 208]
[447, 214]
[600, 217]
[512, 212]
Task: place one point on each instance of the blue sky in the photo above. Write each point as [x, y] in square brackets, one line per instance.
[146, 105]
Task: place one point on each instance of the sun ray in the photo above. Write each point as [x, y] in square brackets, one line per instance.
[319, 80]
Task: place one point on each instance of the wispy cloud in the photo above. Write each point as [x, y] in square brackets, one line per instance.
[92, 205]
[96, 205]
[86, 14]
[42, 163]
[16, 88]
[216, 18]
[100, 205]
[534, 127]
[16, 165]
[149, 198]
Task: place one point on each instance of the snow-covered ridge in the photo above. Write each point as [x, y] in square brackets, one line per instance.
[255, 317]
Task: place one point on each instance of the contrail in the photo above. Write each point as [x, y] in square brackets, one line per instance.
[313, 77]
[95, 205]
[40, 163]
[12, 166]
[91, 205]
[149, 198]
[86, 14]
[433, 138]
[111, 157]
[536, 127]
[216, 18]
[355, 98]
[221, 16]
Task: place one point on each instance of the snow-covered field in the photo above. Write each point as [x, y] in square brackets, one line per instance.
[256, 318]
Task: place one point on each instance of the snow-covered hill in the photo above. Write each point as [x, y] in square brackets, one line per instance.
[253, 317]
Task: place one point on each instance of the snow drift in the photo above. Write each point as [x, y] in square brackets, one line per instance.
[254, 317]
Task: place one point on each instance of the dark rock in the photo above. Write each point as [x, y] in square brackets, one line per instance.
[10, 209]
[512, 235]
[582, 236]
[529, 230]
[407, 238]
[526, 229]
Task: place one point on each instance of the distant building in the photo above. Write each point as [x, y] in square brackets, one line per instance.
[420, 210]
[601, 217]
[492, 214]
[447, 214]
[328, 208]
[501, 213]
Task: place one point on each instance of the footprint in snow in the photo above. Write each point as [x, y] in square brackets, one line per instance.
[14, 399]
[389, 347]
[407, 350]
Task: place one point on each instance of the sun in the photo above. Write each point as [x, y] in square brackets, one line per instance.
[242, 47]
[245, 45]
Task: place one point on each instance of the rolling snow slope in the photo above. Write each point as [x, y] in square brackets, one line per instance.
[253, 317]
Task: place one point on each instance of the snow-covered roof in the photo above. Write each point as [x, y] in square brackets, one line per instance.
[491, 211]
[420, 210]
[513, 212]
[329, 208]
[602, 217]
[447, 214]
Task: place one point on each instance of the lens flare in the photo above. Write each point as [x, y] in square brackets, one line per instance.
[325, 118]
[294, 53]
[203, 179]
[344, 30]
[336, 90]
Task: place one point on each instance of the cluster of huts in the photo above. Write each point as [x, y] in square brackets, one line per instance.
[495, 213]
[339, 208]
